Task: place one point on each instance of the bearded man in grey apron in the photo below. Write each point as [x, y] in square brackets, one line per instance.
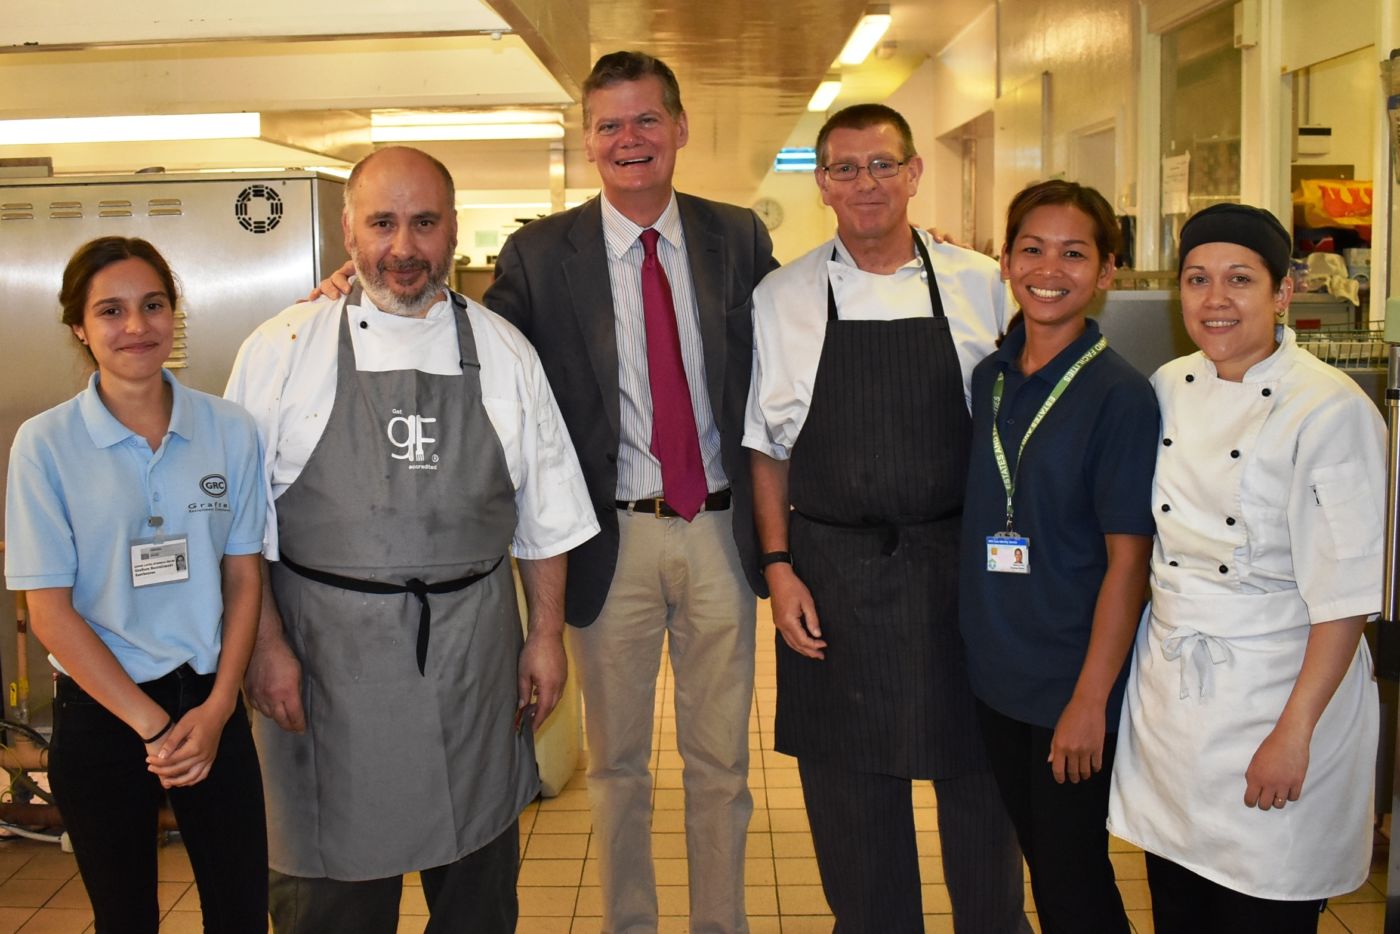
[860, 428]
[391, 669]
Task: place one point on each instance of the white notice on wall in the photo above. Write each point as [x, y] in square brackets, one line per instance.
[1176, 175]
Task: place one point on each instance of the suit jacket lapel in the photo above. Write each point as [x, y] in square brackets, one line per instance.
[590, 292]
[704, 246]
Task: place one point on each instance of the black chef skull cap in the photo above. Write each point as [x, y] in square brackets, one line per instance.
[1243, 224]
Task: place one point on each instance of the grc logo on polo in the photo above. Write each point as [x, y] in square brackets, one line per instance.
[409, 434]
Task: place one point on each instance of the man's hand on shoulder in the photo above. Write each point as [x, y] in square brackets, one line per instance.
[335, 285]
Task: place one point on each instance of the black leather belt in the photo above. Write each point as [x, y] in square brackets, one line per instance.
[888, 529]
[658, 507]
[413, 585]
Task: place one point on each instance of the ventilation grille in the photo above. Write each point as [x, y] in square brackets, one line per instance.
[106, 207]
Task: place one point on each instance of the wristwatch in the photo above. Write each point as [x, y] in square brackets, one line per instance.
[774, 557]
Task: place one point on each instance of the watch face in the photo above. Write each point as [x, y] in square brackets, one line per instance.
[769, 211]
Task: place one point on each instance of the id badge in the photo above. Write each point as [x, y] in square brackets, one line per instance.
[1008, 553]
[159, 562]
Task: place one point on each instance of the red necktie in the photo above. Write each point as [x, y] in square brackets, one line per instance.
[674, 438]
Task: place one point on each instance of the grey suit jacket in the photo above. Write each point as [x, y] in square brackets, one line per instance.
[552, 283]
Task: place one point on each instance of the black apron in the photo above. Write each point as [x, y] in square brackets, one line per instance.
[876, 483]
[399, 769]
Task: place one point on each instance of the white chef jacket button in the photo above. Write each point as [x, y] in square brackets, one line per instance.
[1166, 507]
[1190, 378]
[364, 324]
[1229, 520]
[1224, 569]
[1267, 392]
[1235, 453]
[1172, 563]
[1166, 442]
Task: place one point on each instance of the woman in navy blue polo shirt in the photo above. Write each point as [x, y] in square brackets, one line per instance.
[1057, 529]
[134, 519]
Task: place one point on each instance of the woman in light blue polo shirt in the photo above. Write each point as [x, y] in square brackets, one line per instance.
[134, 519]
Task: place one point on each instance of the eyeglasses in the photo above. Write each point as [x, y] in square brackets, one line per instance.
[849, 171]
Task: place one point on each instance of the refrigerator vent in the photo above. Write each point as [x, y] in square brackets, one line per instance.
[165, 207]
[114, 208]
[65, 209]
[16, 211]
[258, 209]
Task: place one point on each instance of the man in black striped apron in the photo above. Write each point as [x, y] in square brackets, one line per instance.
[860, 429]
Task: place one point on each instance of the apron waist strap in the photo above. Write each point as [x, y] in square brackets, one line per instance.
[889, 529]
[416, 586]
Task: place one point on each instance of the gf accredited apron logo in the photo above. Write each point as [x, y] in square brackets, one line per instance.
[408, 433]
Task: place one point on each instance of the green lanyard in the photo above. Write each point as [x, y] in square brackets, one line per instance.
[1008, 479]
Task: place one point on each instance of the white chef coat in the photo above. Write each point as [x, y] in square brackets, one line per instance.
[790, 324]
[1268, 496]
[285, 375]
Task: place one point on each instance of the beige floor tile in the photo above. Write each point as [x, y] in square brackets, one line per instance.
[668, 799]
[49, 863]
[28, 893]
[412, 924]
[936, 900]
[927, 842]
[796, 870]
[802, 900]
[15, 852]
[668, 822]
[668, 778]
[759, 924]
[187, 902]
[1141, 920]
[788, 820]
[782, 778]
[556, 846]
[590, 902]
[673, 900]
[11, 919]
[562, 822]
[667, 845]
[1128, 865]
[173, 864]
[1119, 845]
[938, 924]
[671, 871]
[556, 901]
[590, 872]
[806, 924]
[789, 798]
[931, 868]
[1367, 893]
[170, 894]
[550, 872]
[182, 922]
[567, 800]
[758, 844]
[792, 844]
[760, 822]
[544, 926]
[759, 871]
[58, 921]
[74, 895]
[1135, 893]
[1361, 918]
[412, 901]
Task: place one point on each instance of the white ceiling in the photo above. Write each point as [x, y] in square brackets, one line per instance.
[746, 71]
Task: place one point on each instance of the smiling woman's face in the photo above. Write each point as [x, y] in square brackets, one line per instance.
[128, 321]
[1230, 306]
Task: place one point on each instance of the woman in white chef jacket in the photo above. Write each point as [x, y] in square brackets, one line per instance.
[1246, 754]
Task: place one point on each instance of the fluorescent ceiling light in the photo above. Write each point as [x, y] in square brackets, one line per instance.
[826, 93]
[148, 128]
[410, 125]
[795, 159]
[865, 37]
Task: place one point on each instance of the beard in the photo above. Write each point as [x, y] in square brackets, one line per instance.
[375, 282]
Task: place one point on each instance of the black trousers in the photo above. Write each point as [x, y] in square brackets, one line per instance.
[1185, 903]
[109, 802]
[1061, 827]
[863, 833]
[474, 895]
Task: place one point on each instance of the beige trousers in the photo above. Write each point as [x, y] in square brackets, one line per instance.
[683, 582]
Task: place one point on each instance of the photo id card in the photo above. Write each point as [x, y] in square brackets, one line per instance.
[1008, 553]
[159, 562]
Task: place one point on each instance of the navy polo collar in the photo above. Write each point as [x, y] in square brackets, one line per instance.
[1010, 350]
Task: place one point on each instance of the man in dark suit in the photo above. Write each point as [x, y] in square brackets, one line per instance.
[639, 305]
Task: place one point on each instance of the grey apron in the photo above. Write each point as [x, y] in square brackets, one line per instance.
[398, 770]
[876, 483]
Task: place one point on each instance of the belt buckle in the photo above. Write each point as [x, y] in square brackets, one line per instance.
[656, 507]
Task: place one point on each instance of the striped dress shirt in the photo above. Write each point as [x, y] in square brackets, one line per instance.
[638, 470]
